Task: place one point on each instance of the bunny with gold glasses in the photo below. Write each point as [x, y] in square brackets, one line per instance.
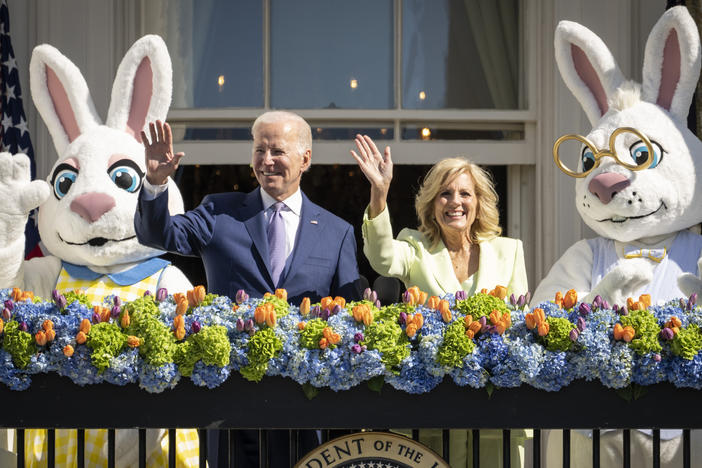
[643, 154]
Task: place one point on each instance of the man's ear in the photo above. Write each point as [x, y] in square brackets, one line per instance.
[306, 160]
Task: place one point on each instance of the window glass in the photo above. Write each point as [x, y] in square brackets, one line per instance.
[332, 54]
[460, 54]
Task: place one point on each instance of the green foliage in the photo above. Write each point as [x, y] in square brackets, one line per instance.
[19, 344]
[310, 336]
[647, 330]
[282, 308]
[106, 341]
[481, 305]
[210, 344]
[263, 346]
[389, 339]
[158, 343]
[688, 342]
[558, 337]
[73, 296]
[456, 345]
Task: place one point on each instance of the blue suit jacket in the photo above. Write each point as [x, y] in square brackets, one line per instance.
[228, 232]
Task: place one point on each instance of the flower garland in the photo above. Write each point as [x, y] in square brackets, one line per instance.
[486, 340]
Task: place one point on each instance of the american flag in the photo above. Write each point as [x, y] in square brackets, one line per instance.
[14, 134]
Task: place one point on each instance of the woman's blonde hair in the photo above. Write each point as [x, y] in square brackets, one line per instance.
[487, 220]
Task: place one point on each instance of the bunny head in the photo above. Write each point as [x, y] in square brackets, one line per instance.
[89, 219]
[624, 192]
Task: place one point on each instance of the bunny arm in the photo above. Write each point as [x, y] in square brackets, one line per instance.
[174, 280]
[690, 283]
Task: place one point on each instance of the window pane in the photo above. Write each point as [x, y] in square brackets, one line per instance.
[217, 50]
[332, 54]
[460, 54]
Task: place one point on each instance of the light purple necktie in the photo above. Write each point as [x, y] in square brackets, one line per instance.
[276, 241]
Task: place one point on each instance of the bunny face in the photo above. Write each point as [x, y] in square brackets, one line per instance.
[614, 200]
[625, 205]
[89, 219]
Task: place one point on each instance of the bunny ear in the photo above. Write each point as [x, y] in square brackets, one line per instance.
[142, 89]
[61, 95]
[587, 67]
[672, 62]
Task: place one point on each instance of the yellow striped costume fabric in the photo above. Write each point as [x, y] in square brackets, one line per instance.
[128, 285]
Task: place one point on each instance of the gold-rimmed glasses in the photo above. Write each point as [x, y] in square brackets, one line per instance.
[591, 159]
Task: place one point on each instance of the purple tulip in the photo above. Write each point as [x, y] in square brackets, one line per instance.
[61, 303]
[239, 324]
[23, 326]
[6, 314]
[402, 319]
[581, 324]
[615, 308]
[512, 299]
[55, 295]
[161, 294]
[195, 326]
[597, 302]
[682, 303]
[460, 295]
[116, 310]
[574, 334]
[605, 304]
[527, 298]
[9, 305]
[117, 301]
[521, 301]
[147, 293]
[356, 349]
[249, 325]
[324, 314]
[483, 321]
[366, 294]
[623, 311]
[584, 309]
[667, 334]
[692, 301]
[358, 336]
[241, 296]
[377, 303]
[406, 297]
[96, 317]
[373, 297]
[657, 357]
[315, 310]
[336, 309]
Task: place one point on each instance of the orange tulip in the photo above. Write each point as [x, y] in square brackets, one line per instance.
[16, 294]
[340, 301]
[281, 294]
[570, 299]
[181, 307]
[323, 343]
[271, 318]
[301, 325]
[558, 300]
[507, 320]
[411, 330]
[260, 314]
[539, 315]
[628, 333]
[630, 303]
[47, 324]
[676, 330]
[418, 320]
[178, 321]
[305, 306]
[327, 332]
[495, 316]
[445, 310]
[179, 297]
[81, 337]
[475, 326]
[467, 320]
[675, 322]
[422, 297]
[2, 325]
[68, 350]
[125, 319]
[267, 295]
[133, 341]
[470, 334]
[618, 331]
[645, 299]
[530, 321]
[358, 311]
[543, 328]
[40, 338]
[326, 302]
[484, 291]
[499, 291]
[50, 334]
[85, 325]
[27, 296]
[500, 327]
[180, 333]
[367, 317]
[433, 303]
[414, 295]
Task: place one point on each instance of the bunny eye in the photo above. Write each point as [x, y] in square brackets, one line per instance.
[63, 178]
[126, 175]
[639, 153]
[587, 159]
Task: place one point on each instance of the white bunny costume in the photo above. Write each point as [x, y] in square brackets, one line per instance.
[86, 211]
[641, 215]
[640, 204]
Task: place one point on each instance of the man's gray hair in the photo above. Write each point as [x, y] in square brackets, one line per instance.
[304, 132]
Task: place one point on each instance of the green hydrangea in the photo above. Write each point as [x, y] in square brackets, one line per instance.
[210, 344]
[389, 339]
[647, 330]
[73, 296]
[688, 342]
[313, 332]
[558, 337]
[455, 347]
[263, 346]
[392, 312]
[19, 344]
[158, 343]
[282, 308]
[481, 305]
[106, 341]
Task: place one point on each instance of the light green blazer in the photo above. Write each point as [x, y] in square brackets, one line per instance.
[410, 259]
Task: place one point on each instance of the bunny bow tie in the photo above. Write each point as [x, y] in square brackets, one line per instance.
[123, 278]
[657, 255]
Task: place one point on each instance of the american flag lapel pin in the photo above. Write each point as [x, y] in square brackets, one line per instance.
[313, 221]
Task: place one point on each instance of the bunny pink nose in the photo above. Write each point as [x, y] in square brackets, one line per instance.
[604, 186]
[90, 206]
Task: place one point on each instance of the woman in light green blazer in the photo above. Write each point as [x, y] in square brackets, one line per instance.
[456, 247]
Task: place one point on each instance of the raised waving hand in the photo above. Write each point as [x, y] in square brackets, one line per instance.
[377, 168]
[161, 161]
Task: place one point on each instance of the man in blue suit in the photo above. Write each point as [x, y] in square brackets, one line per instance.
[231, 231]
[272, 237]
